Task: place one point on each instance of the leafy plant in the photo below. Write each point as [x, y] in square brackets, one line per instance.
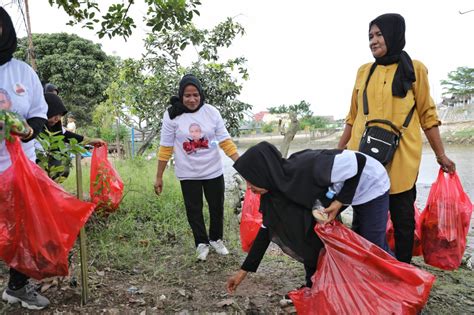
[55, 149]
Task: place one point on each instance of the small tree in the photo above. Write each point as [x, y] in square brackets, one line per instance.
[295, 112]
[460, 83]
[55, 149]
[141, 90]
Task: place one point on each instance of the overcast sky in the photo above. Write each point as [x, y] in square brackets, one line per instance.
[306, 50]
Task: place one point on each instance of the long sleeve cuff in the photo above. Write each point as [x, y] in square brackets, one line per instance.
[165, 153]
[37, 124]
[228, 146]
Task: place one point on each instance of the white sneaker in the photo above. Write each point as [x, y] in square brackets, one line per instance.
[219, 247]
[202, 250]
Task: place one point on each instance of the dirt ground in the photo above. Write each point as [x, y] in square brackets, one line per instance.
[193, 286]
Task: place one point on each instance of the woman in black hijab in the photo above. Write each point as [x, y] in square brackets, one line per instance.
[20, 92]
[289, 189]
[395, 87]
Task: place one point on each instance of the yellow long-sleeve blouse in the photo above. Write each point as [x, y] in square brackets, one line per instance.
[403, 170]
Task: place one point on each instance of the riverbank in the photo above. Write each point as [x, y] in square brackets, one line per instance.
[461, 133]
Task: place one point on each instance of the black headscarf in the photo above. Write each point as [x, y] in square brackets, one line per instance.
[302, 178]
[392, 26]
[55, 105]
[177, 107]
[8, 41]
[293, 184]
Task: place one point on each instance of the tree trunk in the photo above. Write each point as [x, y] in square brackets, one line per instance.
[119, 151]
[147, 142]
[31, 50]
[289, 135]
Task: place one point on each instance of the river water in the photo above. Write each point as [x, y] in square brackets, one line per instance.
[462, 155]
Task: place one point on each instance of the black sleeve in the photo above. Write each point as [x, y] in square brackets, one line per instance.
[347, 192]
[257, 251]
[71, 135]
[37, 124]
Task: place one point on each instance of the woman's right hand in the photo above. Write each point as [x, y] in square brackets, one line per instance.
[158, 185]
[234, 281]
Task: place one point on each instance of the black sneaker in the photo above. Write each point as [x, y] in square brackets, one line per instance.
[28, 297]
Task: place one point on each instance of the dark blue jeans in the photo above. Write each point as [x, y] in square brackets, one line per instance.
[370, 220]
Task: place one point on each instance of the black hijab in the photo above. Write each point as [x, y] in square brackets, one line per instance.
[302, 178]
[293, 187]
[55, 105]
[8, 41]
[177, 107]
[392, 26]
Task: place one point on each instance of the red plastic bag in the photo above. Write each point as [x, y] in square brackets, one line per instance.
[445, 222]
[39, 221]
[355, 276]
[106, 186]
[417, 240]
[251, 220]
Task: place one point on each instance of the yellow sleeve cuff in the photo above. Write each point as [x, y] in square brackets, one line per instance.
[228, 146]
[165, 153]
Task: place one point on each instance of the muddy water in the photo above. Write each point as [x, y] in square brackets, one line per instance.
[463, 156]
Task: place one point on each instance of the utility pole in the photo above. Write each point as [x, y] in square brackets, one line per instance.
[31, 49]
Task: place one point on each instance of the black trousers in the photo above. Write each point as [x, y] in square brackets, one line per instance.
[402, 212]
[214, 192]
[17, 279]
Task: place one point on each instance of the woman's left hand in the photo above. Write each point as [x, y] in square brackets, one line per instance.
[97, 142]
[446, 164]
[333, 210]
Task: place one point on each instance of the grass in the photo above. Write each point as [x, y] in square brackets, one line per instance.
[147, 232]
[465, 133]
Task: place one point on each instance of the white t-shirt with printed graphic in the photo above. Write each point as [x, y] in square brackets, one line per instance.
[22, 93]
[195, 138]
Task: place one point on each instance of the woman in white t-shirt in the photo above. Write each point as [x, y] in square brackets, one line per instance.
[194, 131]
[20, 92]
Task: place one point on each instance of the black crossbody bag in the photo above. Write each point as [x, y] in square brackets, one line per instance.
[378, 142]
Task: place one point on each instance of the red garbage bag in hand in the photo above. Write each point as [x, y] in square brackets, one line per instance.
[106, 186]
[354, 276]
[251, 219]
[39, 221]
[445, 222]
[417, 239]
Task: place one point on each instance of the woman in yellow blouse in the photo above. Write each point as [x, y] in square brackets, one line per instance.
[397, 84]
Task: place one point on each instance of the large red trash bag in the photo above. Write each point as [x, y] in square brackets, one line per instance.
[445, 222]
[355, 276]
[39, 220]
[251, 219]
[106, 186]
[417, 238]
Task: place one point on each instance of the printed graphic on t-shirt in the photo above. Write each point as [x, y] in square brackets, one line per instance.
[5, 100]
[196, 141]
[19, 89]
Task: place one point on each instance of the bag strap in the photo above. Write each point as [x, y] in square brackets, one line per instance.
[387, 122]
[364, 95]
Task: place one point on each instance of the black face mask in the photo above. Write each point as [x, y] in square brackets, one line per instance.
[8, 40]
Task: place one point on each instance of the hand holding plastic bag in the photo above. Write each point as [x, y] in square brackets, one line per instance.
[355, 276]
[445, 222]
